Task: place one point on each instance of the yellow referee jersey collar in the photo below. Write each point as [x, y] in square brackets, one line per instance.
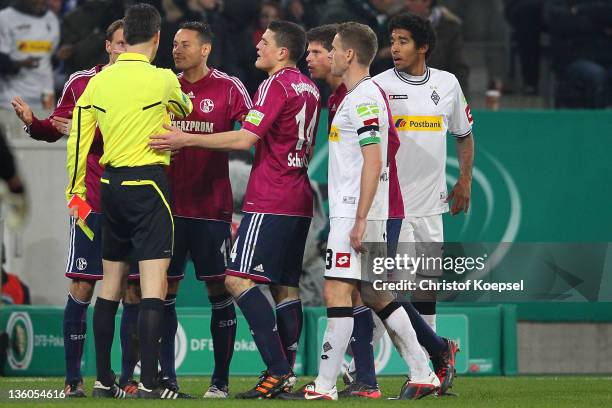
[133, 56]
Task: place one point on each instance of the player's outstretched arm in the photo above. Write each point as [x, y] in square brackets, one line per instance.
[38, 129]
[461, 192]
[176, 139]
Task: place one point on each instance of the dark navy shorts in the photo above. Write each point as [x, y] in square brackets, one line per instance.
[394, 226]
[269, 248]
[207, 242]
[85, 255]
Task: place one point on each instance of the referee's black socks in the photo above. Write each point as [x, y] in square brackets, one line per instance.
[149, 332]
[104, 331]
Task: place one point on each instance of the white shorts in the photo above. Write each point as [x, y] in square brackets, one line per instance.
[341, 260]
[422, 229]
[419, 230]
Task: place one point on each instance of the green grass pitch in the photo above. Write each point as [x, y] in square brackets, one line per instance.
[490, 392]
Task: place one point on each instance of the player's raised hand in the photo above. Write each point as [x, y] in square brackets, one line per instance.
[357, 234]
[23, 110]
[173, 140]
[460, 196]
[62, 125]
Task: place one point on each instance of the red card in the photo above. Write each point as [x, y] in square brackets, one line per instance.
[84, 208]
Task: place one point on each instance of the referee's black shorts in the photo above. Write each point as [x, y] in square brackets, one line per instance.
[137, 220]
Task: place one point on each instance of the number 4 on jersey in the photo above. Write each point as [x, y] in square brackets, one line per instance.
[301, 122]
[234, 252]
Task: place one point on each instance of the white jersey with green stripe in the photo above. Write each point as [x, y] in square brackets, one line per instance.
[361, 120]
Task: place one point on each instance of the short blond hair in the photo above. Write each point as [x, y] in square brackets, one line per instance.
[361, 39]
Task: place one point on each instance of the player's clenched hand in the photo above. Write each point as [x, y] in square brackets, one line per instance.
[23, 110]
[357, 234]
[460, 196]
[62, 125]
[173, 140]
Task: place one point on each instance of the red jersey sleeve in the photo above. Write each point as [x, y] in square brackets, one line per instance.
[269, 102]
[240, 101]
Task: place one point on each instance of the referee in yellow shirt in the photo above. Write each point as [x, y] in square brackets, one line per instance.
[130, 101]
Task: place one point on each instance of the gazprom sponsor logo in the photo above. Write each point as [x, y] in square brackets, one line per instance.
[194, 126]
[418, 123]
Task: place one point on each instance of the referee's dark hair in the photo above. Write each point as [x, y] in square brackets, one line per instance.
[112, 29]
[291, 36]
[419, 27]
[141, 22]
[324, 35]
[204, 32]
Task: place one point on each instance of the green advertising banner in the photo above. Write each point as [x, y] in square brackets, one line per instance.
[388, 361]
[486, 336]
[194, 347]
[36, 341]
[539, 176]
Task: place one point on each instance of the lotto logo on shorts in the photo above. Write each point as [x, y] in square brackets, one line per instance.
[343, 260]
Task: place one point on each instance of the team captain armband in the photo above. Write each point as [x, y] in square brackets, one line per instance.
[369, 133]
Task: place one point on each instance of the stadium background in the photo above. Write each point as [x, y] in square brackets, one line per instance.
[540, 176]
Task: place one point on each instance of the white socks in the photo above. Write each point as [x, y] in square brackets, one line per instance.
[404, 338]
[336, 339]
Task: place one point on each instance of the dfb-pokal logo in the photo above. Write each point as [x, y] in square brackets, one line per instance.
[21, 340]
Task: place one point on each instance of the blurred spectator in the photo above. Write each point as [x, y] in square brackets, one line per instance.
[373, 13]
[180, 11]
[449, 54]
[56, 6]
[83, 29]
[269, 11]
[14, 291]
[303, 12]
[581, 48]
[369, 12]
[29, 34]
[485, 27]
[525, 17]
[295, 12]
[238, 19]
[15, 198]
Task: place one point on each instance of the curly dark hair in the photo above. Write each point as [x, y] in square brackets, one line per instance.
[419, 27]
